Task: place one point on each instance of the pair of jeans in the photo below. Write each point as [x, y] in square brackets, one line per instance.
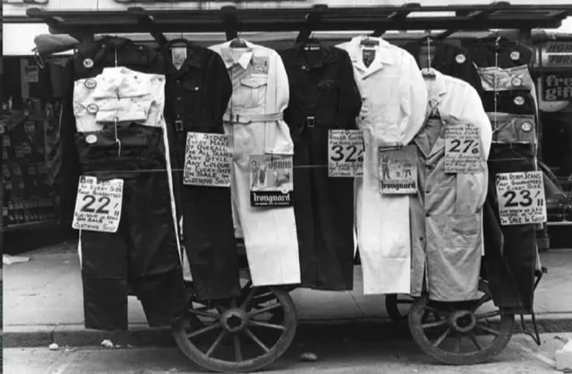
[510, 251]
[143, 252]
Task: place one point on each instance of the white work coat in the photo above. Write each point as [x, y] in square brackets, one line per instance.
[254, 120]
[393, 109]
[446, 214]
[121, 95]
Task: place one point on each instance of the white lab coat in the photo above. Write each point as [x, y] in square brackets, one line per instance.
[254, 119]
[394, 101]
[446, 214]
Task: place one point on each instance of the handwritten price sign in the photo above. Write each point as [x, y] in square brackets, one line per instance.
[463, 150]
[345, 153]
[521, 198]
[98, 205]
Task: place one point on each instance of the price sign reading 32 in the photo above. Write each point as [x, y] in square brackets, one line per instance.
[345, 153]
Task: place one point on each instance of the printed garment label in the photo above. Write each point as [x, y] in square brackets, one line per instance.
[208, 160]
[463, 150]
[271, 180]
[98, 205]
[345, 153]
[521, 198]
[179, 55]
[398, 170]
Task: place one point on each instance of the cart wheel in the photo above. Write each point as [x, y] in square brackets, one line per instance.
[239, 335]
[465, 333]
[397, 307]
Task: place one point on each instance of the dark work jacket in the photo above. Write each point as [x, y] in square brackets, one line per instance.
[322, 86]
[482, 51]
[446, 61]
[197, 96]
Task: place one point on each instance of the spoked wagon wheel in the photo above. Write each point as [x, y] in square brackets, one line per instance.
[465, 333]
[397, 307]
[239, 335]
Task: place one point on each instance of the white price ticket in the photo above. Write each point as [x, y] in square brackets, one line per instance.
[208, 159]
[345, 153]
[463, 150]
[98, 205]
[521, 198]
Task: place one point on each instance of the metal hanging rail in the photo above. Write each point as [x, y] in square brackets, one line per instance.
[410, 17]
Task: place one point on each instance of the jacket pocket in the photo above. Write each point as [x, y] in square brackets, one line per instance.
[329, 92]
[253, 91]
[192, 98]
[464, 231]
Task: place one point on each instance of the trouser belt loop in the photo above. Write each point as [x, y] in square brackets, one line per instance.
[311, 121]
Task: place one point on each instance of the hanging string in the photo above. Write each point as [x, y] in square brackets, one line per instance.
[117, 138]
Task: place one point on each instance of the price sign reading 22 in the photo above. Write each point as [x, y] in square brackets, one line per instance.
[104, 201]
[464, 146]
[349, 153]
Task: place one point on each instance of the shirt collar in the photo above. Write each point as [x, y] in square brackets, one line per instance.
[243, 60]
[385, 57]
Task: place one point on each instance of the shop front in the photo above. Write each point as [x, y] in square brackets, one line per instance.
[229, 154]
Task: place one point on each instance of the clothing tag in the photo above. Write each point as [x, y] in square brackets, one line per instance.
[398, 170]
[460, 58]
[515, 55]
[88, 63]
[98, 205]
[312, 48]
[521, 198]
[345, 153]
[463, 150]
[260, 65]
[179, 55]
[368, 56]
[90, 83]
[271, 180]
[91, 139]
[208, 160]
[519, 100]
[526, 126]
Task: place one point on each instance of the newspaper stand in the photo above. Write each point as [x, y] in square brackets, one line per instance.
[251, 332]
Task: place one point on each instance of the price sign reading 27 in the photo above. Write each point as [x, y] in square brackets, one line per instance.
[464, 146]
[347, 153]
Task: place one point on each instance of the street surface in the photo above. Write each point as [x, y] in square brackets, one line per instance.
[386, 356]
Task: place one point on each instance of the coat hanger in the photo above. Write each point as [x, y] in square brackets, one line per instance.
[179, 42]
[429, 72]
[237, 42]
[369, 42]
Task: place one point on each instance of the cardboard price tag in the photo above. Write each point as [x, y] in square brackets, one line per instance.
[271, 180]
[463, 150]
[208, 160]
[521, 198]
[398, 170]
[345, 153]
[98, 205]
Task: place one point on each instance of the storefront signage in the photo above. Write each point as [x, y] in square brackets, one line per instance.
[557, 87]
[558, 47]
[463, 150]
[98, 205]
[398, 170]
[208, 159]
[557, 54]
[521, 198]
[271, 180]
[345, 153]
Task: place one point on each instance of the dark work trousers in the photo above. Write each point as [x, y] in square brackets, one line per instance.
[510, 251]
[196, 97]
[324, 209]
[513, 102]
[143, 252]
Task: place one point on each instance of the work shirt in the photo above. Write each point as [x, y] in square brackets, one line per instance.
[254, 120]
[394, 99]
[323, 96]
[446, 214]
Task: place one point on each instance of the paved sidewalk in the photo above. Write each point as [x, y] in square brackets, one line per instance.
[43, 303]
